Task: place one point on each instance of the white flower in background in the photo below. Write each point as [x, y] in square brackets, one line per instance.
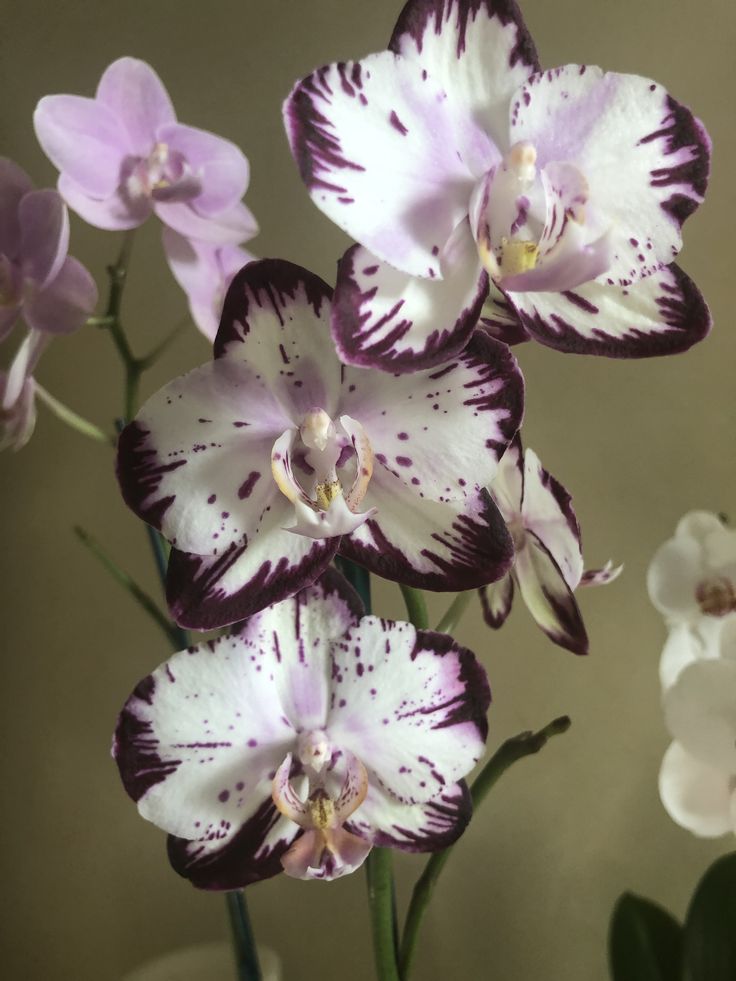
[697, 780]
[692, 582]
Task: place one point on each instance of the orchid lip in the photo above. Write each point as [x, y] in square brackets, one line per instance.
[716, 596]
[326, 510]
[163, 175]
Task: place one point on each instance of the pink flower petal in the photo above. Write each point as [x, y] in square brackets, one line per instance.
[135, 94]
[44, 241]
[66, 302]
[221, 167]
[14, 184]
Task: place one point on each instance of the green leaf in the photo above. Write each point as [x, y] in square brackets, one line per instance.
[645, 942]
[710, 926]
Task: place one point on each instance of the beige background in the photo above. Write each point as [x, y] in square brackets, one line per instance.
[86, 888]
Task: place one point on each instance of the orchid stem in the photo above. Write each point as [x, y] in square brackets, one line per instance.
[416, 606]
[125, 580]
[72, 419]
[516, 748]
[246, 958]
[358, 577]
[155, 353]
[133, 366]
[454, 612]
[383, 921]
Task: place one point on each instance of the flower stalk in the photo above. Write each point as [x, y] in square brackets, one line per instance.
[454, 612]
[72, 419]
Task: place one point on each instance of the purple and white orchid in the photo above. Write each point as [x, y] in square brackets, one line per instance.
[204, 271]
[461, 168]
[692, 582]
[303, 740]
[260, 465]
[123, 156]
[548, 559]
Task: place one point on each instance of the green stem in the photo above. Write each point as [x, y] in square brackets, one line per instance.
[416, 607]
[516, 748]
[246, 958]
[133, 366]
[155, 353]
[125, 580]
[383, 920]
[72, 419]
[454, 612]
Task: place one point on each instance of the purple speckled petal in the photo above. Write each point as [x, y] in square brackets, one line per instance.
[251, 854]
[132, 90]
[44, 236]
[496, 601]
[412, 420]
[479, 51]
[374, 142]
[84, 140]
[387, 319]
[662, 314]
[411, 704]
[644, 155]
[207, 592]
[221, 167]
[426, 827]
[453, 546]
[276, 318]
[66, 302]
[14, 183]
[500, 319]
[204, 271]
[548, 597]
[697, 796]
[196, 462]
[113, 213]
[547, 511]
[230, 227]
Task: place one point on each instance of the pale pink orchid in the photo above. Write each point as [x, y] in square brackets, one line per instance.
[123, 156]
[548, 558]
[303, 740]
[466, 174]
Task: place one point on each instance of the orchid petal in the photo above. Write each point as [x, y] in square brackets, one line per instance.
[547, 511]
[453, 546]
[249, 855]
[14, 184]
[406, 418]
[337, 520]
[329, 855]
[500, 319]
[662, 314]
[204, 592]
[698, 525]
[44, 236]
[644, 155]
[196, 461]
[285, 797]
[83, 139]
[478, 51]
[700, 712]
[374, 143]
[548, 597]
[430, 694]
[508, 484]
[697, 796]
[681, 648]
[112, 213]
[496, 600]
[18, 421]
[222, 167]
[601, 577]
[396, 322]
[672, 577]
[426, 827]
[230, 227]
[25, 360]
[132, 90]
[66, 302]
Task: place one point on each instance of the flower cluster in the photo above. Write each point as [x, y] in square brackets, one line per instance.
[491, 203]
[692, 582]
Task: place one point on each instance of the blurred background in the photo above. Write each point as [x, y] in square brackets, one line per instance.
[87, 890]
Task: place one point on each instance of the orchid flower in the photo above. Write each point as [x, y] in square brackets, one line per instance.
[303, 740]
[123, 155]
[204, 271]
[692, 582]
[464, 171]
[39, 282]
[260, 465]
[548, 559]
[697, 780]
